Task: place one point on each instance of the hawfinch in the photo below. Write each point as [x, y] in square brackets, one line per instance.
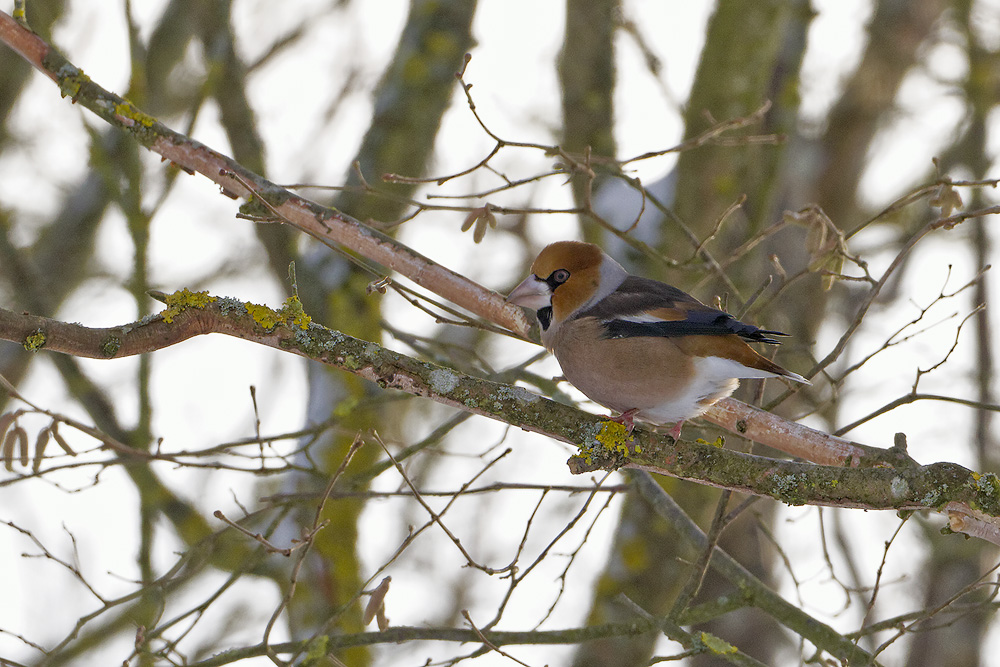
[638, 346]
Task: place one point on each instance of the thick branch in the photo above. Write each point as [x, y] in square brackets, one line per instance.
[406, 633]
[867, 478]
[789, 437]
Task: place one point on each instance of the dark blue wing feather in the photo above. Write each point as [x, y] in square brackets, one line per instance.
[723, 325]
[637, 296]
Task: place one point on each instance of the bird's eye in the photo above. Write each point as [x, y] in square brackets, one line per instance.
[559, 276]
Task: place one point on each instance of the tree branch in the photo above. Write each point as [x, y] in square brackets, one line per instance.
[904, 487]
[862, 477]
[266, 198]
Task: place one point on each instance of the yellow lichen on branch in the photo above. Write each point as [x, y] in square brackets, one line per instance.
[183, 299]
[291, 314]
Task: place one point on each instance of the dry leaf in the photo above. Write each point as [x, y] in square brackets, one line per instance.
[376, 603]
[947, 199]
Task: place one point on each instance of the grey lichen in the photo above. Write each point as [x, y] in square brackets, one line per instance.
[899, 487]
[228, 305]
[789, 488]
[519, 394]
[442, 381]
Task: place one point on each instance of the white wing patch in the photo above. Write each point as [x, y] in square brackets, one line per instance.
[639, 317]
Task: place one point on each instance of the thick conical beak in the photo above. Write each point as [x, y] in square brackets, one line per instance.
[531, 293]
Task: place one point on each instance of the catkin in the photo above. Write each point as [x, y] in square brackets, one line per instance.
[40, 443]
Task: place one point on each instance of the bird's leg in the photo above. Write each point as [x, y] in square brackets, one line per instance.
[625, 419]
[675, 430]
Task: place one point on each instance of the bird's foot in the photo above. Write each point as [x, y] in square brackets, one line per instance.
[675, 431]
[626, 419]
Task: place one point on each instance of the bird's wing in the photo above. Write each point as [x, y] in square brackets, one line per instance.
[644, 307]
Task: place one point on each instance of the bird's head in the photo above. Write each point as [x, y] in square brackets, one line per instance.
[566, 277]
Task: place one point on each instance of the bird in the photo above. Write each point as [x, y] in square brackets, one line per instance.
[637, 346]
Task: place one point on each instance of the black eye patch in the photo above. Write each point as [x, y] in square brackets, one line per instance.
[558, 277]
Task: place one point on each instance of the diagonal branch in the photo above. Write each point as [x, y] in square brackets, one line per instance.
[325, 224]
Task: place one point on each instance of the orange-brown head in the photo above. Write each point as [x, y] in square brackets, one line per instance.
[566, 277]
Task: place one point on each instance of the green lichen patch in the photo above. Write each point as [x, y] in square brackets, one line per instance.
[183, 299]
[716, 645]
[615, 437]
[986, 483]
[110, 346]
[606, 446]
[294, 314]
[594, 454]
[987, 489]
[35, 341]
[262, 315]
[129, 115]
[291, 314]
[71, 83]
